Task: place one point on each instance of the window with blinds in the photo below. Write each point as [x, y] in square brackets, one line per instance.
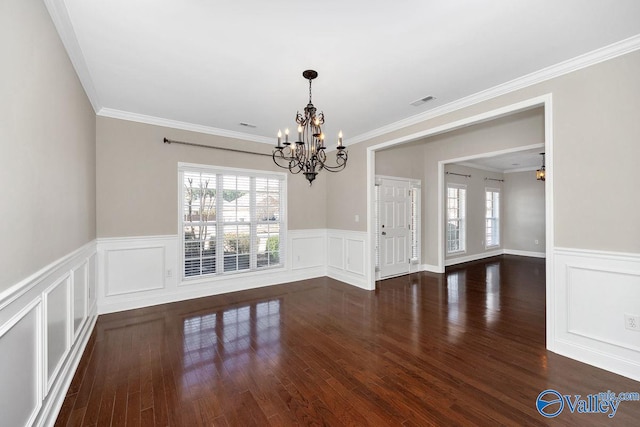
[231, 220]
[456, 212]
[492, 217]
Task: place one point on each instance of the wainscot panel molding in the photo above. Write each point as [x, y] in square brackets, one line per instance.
[595, 289]
[346, 257]
[136, 272]
[45, 323]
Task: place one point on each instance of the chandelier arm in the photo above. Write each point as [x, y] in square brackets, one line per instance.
[341, 162]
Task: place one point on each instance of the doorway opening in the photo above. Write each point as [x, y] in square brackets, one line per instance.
[397, 218]
[433, 251]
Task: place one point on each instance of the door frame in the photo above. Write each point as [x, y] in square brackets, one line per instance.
[416, 185]
[545, 101]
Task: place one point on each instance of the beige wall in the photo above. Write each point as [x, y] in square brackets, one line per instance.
[596, 151]
[523, 212]
[47, 165]
[137, 178]
[405, 161]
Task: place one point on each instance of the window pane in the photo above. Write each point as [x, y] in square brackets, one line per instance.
[236, 198]
[199, 249]
[237, 247]
[268, 244]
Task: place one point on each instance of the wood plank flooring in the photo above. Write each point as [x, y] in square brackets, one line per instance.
[462, 348]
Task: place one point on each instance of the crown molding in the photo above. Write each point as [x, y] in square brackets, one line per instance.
[62, 22]
[60, 17]
[175, 124]
[579, 62]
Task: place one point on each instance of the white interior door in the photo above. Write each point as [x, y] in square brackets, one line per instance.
[394, 228]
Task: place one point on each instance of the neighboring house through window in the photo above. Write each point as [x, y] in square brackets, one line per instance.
[231, 220]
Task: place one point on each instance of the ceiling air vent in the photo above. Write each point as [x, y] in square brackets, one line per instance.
[423, 100]
[247, 125]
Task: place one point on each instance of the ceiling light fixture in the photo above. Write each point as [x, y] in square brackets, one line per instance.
[541, 173]
[307, 154]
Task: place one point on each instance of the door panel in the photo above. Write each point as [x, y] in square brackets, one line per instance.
[395, 234]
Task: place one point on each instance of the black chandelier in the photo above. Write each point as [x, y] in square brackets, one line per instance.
[307, 154]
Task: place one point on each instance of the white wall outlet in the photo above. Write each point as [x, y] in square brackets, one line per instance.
[632, 322]
[169, 272]
[536, 241]
[357, 218]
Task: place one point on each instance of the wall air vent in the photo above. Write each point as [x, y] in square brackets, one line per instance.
[421, 101]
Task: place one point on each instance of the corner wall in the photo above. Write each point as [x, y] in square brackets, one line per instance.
[48, 227]
[524, 221]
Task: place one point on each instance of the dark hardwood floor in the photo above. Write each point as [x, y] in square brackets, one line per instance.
[463, 348]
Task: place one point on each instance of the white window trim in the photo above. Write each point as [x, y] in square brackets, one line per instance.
[194, 167]
[493, 190]
[463, 240]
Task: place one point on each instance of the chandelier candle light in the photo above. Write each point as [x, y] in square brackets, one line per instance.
[307, 154]
[541, 174]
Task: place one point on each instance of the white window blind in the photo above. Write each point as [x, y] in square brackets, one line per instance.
[492, 217]
[231, 220]
[456, 212]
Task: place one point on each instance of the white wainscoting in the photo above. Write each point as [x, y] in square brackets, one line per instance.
[594, 290]
[346, 257]
[45, 323]
[137, 272]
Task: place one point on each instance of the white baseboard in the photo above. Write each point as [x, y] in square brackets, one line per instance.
[431, 268]
[47, 318]
[593, 292]
[525, 253]
[474, 257]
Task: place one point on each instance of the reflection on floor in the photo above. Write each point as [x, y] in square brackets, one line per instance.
[461, 348]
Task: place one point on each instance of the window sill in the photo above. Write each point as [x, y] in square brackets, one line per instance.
[457, 252]
[188, 281]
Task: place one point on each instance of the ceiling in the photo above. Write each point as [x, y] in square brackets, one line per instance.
[215, 64]
[510, 162]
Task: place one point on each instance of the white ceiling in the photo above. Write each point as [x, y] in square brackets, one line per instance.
[218, 63]
[511, 162]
